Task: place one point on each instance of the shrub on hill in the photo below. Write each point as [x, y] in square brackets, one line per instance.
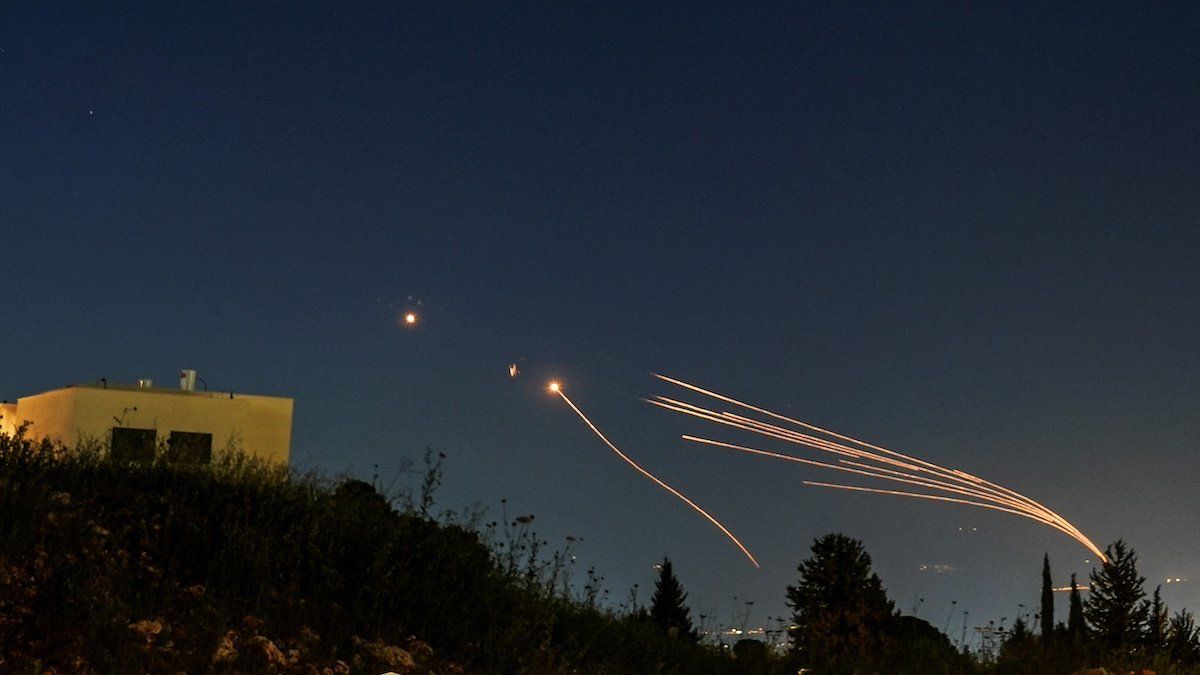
[239, 566]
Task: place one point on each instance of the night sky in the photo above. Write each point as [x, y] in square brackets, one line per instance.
[967, 233]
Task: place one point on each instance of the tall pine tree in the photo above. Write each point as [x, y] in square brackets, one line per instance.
[1114, 608]
[668, 609]
[841, 614]
[1157, 625]
[1047, 600]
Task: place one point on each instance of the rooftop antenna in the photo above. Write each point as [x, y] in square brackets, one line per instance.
[917, 605]
[989, 637]
[950, 616]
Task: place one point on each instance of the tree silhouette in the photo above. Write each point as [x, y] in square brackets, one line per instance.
[1183, 642]
[840, 610]
[1157, 623]
[1114, 608]
[668, 610]
[1019, 647]
[1047, 599]
[1076, 627]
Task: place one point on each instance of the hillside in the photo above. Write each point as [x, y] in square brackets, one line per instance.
[242, 567]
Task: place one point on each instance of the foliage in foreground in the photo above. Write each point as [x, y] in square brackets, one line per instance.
[668, 608]
[1117, 627]
[239, 566]
[843, 621]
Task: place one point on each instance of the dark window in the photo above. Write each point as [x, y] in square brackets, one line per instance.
[132, 445]
[189, 447]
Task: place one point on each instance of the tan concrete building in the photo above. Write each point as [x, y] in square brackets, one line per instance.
[134, 419]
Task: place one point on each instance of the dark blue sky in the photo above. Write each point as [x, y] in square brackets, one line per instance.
[969, 233]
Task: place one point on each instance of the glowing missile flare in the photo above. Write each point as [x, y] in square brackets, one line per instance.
[556, 388]
[410, 319]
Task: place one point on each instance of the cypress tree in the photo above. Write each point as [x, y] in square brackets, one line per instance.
[1075, 625]
[1047, 600]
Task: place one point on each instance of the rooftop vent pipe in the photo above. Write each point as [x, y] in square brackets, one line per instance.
[187, 380]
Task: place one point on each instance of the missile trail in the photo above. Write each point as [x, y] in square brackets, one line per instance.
[557, 389]
[953, 474]
[820, 444]
[763, 428]
[772, 431]
[876, 472]
[928, 465]
[853, 454]
[918, 495]
[994, 492]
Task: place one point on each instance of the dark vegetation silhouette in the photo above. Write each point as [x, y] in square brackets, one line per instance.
[1116, 628]
[242, 566]
[1183, 641]
[1047, 613]
[668, 608]
[840, 610]
[1115, 607]
[843, 621]
[1076, 628]
[239, 566]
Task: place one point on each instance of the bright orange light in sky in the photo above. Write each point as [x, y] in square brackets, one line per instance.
[410, 318]
[554, 387]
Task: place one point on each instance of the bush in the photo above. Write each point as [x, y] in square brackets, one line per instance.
[241, 566]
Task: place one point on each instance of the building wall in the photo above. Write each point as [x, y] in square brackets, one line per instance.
[261, 425]
[8, 415]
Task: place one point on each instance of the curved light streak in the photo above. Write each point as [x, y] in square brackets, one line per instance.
[919, 495]
[557, 389]
[877, 472]
[955, 481]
